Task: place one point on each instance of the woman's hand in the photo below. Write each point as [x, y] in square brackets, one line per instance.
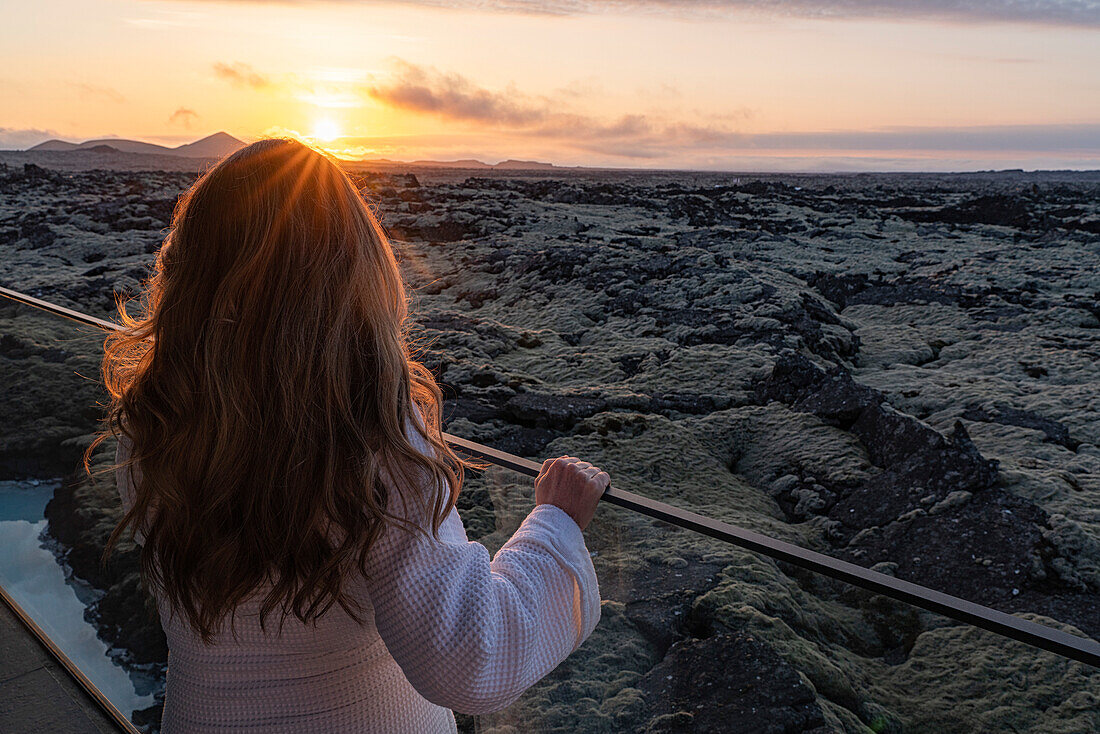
[573, 485]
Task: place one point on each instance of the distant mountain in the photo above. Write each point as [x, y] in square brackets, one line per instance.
[213, 146]
[222, 144]
[54, 145]
[464, 163]
[524, 165]
[217, 145]
[123, 146]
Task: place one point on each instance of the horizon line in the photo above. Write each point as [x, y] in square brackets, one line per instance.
[548, 167]
[817, 163]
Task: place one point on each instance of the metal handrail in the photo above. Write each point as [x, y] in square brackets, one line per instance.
[1074, 647]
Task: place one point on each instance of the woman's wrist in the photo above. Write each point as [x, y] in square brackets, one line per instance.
[562, 511]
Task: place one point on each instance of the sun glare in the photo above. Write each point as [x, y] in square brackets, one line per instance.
[326, 130]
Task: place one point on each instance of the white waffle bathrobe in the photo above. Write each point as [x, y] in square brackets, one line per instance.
[450, 630]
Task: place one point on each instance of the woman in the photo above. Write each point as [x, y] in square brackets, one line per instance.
[280, 461]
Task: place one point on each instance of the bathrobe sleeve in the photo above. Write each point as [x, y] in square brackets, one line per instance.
[473, 633]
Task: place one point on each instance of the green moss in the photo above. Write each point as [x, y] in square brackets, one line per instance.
[591, 691]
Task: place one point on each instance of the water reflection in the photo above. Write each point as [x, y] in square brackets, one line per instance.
[32, 575]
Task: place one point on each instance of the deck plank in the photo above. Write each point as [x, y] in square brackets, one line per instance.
[36, 694]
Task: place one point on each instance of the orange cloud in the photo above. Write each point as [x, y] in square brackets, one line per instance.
[183, 116]
[241, 75]
[418, 89]
[453, 97]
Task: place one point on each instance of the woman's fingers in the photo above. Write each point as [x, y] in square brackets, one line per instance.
[573, 485]
[545, 468]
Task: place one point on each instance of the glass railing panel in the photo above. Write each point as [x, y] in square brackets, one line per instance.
[694, 635]
[53, 521]
[687, 351]
[697, 635]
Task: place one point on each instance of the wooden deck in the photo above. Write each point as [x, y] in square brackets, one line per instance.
[36, 694]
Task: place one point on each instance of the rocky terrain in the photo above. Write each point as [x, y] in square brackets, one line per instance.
[900, 371]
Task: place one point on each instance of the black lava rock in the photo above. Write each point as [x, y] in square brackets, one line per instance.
[729, 684]
[558, 412]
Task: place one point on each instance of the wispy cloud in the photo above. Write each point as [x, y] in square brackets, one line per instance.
[167, 19]
[331, 87]
[1085, 13]
[184, 116]
[662, 141]
[530, 120]
[98, 92]
[241, 75]
[1062, 12]
[991, 59]
[451, 95]
[1035, 138]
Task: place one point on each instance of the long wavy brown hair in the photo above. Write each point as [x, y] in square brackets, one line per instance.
[265, 383]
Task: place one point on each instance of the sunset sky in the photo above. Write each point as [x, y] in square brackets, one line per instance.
[707, 84]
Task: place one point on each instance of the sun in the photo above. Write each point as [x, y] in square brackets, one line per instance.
[326, 130]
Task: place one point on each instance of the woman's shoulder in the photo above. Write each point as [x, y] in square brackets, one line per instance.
[414, 503]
